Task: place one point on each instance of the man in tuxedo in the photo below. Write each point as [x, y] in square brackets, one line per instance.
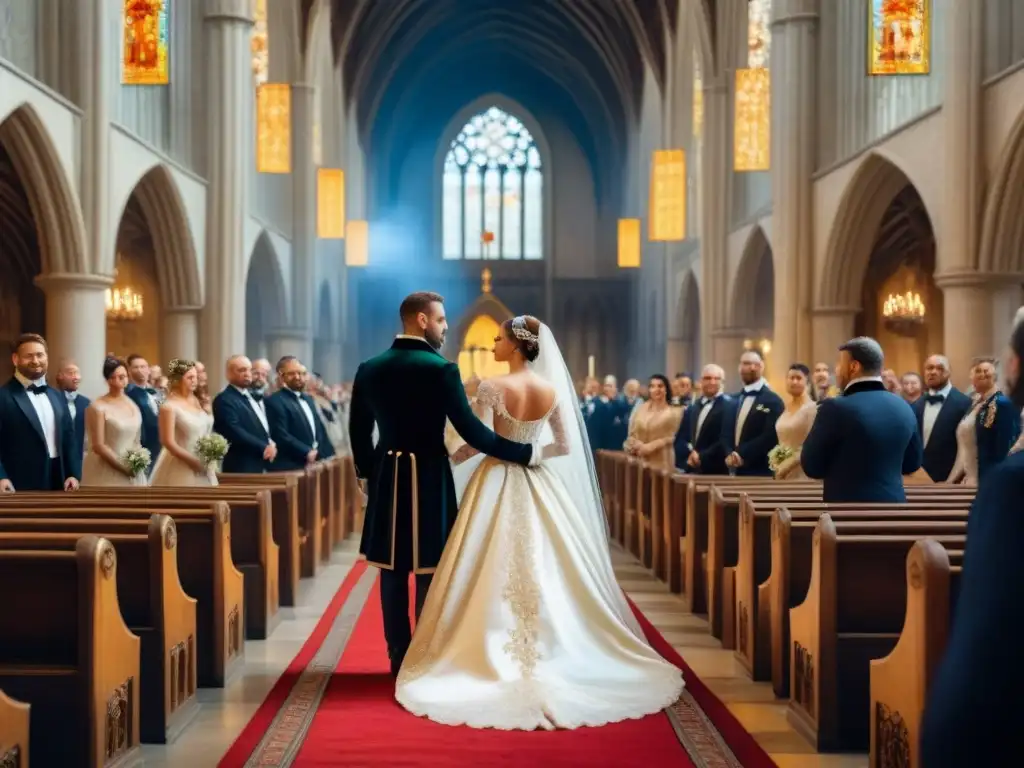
[295, 425]
[38, 447]
[68, 379]
[980, 677]
[698, 444]
[939, 412]
[748, 427]
[609, 421]
[863, 443]
[144, 396]
[240, 415]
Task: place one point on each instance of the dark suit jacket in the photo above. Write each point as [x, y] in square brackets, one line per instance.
[406, 507]
[608, 425]
[862, 444]
[81, 403]
[235, 419]
[758, 436]
[997, 429]
[708, 443]
[289, 428]
[150, 420]
[971, 718]
[24, 458]
[940, 452]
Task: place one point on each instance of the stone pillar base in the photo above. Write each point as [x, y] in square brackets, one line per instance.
[76, 325]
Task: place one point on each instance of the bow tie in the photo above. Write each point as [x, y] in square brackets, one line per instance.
[257, 396]
[935, 399]
[150, 391]
[36, 389]
[750, 393]
[705, 401]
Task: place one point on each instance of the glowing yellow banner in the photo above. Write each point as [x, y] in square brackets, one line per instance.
[752, 121]
[145, 38]
[899, 37]
[274, 128]
[666, 217]
[330, 204]
[629, 243]
[357, 244]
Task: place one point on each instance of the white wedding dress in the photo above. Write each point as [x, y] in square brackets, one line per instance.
[525, 626]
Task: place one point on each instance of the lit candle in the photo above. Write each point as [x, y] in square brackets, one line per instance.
[591, 367]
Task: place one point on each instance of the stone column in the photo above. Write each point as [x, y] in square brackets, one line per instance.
[969, 322]
[331, 365]
[180, 336]
[76, 324]
[304, 294]
[794, 89]
[288, 341]
[96, 65]
[832, 327]
[726, 350]
[228, 24]
[715, 181]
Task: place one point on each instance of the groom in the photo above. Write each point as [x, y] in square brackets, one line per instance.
[408, 392]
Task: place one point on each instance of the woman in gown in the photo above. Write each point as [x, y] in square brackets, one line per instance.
[114, 424]
[525, 626]
[653, 426]
[795, 422]
[987, 434]
[183, 420]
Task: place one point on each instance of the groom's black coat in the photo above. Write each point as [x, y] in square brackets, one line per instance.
[409, 392]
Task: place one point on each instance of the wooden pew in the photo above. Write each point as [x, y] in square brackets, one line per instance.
[67, 652]
[353, 498]
[152, 603]
[337, 478]
[900, 682]
[792, 531]
[205, 567]
[630, 523]
[253, 550]
[749, 610]
[14, 726]
[853, 613]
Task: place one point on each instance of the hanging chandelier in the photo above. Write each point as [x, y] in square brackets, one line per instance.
[904, 313]
[124, 304]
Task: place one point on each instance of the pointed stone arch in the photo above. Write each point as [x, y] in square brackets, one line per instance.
[266, 304]
[1002, 234]
[753, 286]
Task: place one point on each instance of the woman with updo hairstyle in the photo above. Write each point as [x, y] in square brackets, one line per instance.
[526, 345]
[113, 423]
[653, 425]
[796, 421]
[183, 420]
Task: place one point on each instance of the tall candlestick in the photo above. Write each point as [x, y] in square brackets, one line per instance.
[591, 368]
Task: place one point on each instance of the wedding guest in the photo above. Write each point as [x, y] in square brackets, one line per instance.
[863, 443]
[796, 420]
[975, 687]
[682, 390]
[242, 420]
[261, 375]
[891, 381]
[38, 447]
[145, 398]
[183, 420]
[591, 390]
[608, 426]
[158, 383]
[912, 386]
[748, 430]
[115, 427]
[822, 380]
[698, 444]
[203, 387]
[68, 378]
[988, 431]
[295, 426]
[653, 426]
[939, 413]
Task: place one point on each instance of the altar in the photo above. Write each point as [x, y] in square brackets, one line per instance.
[473, 336]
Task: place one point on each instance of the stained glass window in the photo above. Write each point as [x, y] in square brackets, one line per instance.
[493, 191]
[900, 32]
[144, 45]
[759, 36]
[260, 43]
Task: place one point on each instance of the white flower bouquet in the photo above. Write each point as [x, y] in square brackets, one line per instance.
[212, 449]
[778, 456]
[136, 461]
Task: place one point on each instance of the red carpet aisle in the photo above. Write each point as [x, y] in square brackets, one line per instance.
[334, 706]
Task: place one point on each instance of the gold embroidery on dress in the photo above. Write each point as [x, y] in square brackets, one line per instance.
[521, 589]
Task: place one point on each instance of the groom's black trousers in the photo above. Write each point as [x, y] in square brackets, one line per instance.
[394, 598]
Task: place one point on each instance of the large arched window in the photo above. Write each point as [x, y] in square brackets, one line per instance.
[493, 191]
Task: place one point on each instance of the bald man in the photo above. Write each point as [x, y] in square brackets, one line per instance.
[939, 413]
[242, 419]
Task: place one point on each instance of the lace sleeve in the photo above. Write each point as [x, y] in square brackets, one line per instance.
[487, 397]
[560, 447]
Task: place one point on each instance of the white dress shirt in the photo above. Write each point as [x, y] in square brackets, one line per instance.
[44, 410]
[258, 408]
[309, 414]
[745, 406]
[931, 411]
[703, 415]
[72, 398]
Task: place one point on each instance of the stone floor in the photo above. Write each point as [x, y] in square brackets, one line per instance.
[225, 712]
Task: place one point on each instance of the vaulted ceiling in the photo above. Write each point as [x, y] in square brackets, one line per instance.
[410, 65]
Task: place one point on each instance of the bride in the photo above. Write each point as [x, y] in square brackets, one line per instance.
[525, 626]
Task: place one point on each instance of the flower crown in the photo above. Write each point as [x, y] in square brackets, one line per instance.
[178, 368]
[521, 332]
